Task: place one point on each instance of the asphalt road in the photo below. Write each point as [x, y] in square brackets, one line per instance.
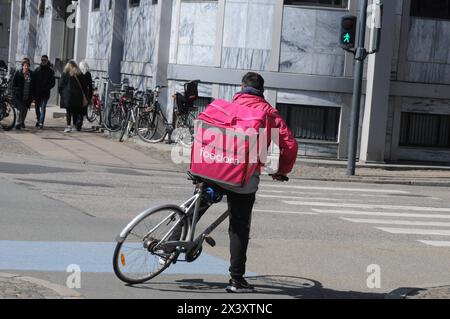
[309, 239]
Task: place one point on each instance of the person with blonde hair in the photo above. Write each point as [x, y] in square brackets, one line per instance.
[84, 67]
[73, 94]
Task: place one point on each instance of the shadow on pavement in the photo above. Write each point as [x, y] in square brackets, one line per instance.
[267, 285]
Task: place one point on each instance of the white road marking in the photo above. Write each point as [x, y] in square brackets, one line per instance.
[369, 206]
[415, 231]
[396, 222]
[283, 212]
[435, 243]
[346, 212]
[338, 189]
[305, 198]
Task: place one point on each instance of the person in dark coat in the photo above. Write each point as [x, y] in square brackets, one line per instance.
[72, 89]
[87, 81]
[23, 85]
[45, 80]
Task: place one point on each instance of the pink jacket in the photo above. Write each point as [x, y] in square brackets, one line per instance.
[287, 144]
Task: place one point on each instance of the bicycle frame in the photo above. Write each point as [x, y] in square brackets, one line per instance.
[189, 242]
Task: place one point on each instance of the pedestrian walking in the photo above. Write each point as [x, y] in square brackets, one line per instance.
[23, 86]
[87, 80]
[44, 77]
[73, 95]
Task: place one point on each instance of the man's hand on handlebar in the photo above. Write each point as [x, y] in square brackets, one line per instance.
[280, 177]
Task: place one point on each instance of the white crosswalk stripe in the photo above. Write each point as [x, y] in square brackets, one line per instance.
[370, 206]
[335, 189]
[367, 206]
[415, 231]
[435, 243]
[305, 198]
[396, 222]
[350, 212]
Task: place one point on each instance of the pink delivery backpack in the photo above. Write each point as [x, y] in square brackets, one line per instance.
[226, 143]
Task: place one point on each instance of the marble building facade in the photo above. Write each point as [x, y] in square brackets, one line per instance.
[295, 47]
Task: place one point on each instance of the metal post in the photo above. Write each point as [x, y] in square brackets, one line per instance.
[360, 56]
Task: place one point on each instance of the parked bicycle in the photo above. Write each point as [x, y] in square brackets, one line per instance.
[137, 115]
[181, 127]
[105, 105]
[146, 246]
[7, 111]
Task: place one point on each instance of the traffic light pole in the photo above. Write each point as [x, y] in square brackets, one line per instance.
[360, 56]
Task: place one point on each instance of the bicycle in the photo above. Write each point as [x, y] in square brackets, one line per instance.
[145, 248]
[136, 120]
[95, 108]
[7, 111]
[183, 116]
[106, 106]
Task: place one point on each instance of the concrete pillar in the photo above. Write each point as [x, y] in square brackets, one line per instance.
[82, 30]
[373, 136]
[162, 49]
[32, 33]
[162, 45]
[13, 32]
[118, 37]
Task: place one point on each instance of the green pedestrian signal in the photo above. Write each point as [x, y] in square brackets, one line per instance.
[347, 38]
[348, 32]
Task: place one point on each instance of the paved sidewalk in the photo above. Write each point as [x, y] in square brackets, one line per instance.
[324, 169]
[20, 287]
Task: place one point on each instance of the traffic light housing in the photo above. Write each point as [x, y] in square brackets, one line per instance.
[347, 38]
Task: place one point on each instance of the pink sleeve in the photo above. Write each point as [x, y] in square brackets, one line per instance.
[287, 143]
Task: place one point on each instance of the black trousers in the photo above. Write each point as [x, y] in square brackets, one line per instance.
[240, 207]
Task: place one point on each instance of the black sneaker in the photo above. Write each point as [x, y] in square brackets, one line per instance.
[239, 285]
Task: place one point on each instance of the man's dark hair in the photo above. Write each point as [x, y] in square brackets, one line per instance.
[44, 57]
[253, 80]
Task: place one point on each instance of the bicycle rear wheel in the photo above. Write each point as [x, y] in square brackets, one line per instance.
[114, 118]
[137, 257]
[125, 126]
[7, 115]
[184, 129]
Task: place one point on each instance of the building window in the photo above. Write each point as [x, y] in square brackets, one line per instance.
[318, 3]
[312, 122]
[41, 8]
[438, 9]
[425, 130]
[95, 5]
[23, 9]
[135, 3]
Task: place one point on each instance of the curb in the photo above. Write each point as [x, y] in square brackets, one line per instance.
[356, 179]
[381, 182]
[63, 292]
[405, 292]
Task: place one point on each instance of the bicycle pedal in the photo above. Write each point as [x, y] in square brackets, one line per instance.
[210, 241]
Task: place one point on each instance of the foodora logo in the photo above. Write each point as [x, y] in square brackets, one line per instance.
[231, 146]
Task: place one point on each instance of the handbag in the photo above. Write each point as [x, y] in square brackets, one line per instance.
[85, 100]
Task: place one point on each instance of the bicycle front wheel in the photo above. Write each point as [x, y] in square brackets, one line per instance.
[91, 114]
[137, 257]
[157, 130]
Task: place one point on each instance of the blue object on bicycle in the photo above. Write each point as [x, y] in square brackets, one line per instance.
[213, 195]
